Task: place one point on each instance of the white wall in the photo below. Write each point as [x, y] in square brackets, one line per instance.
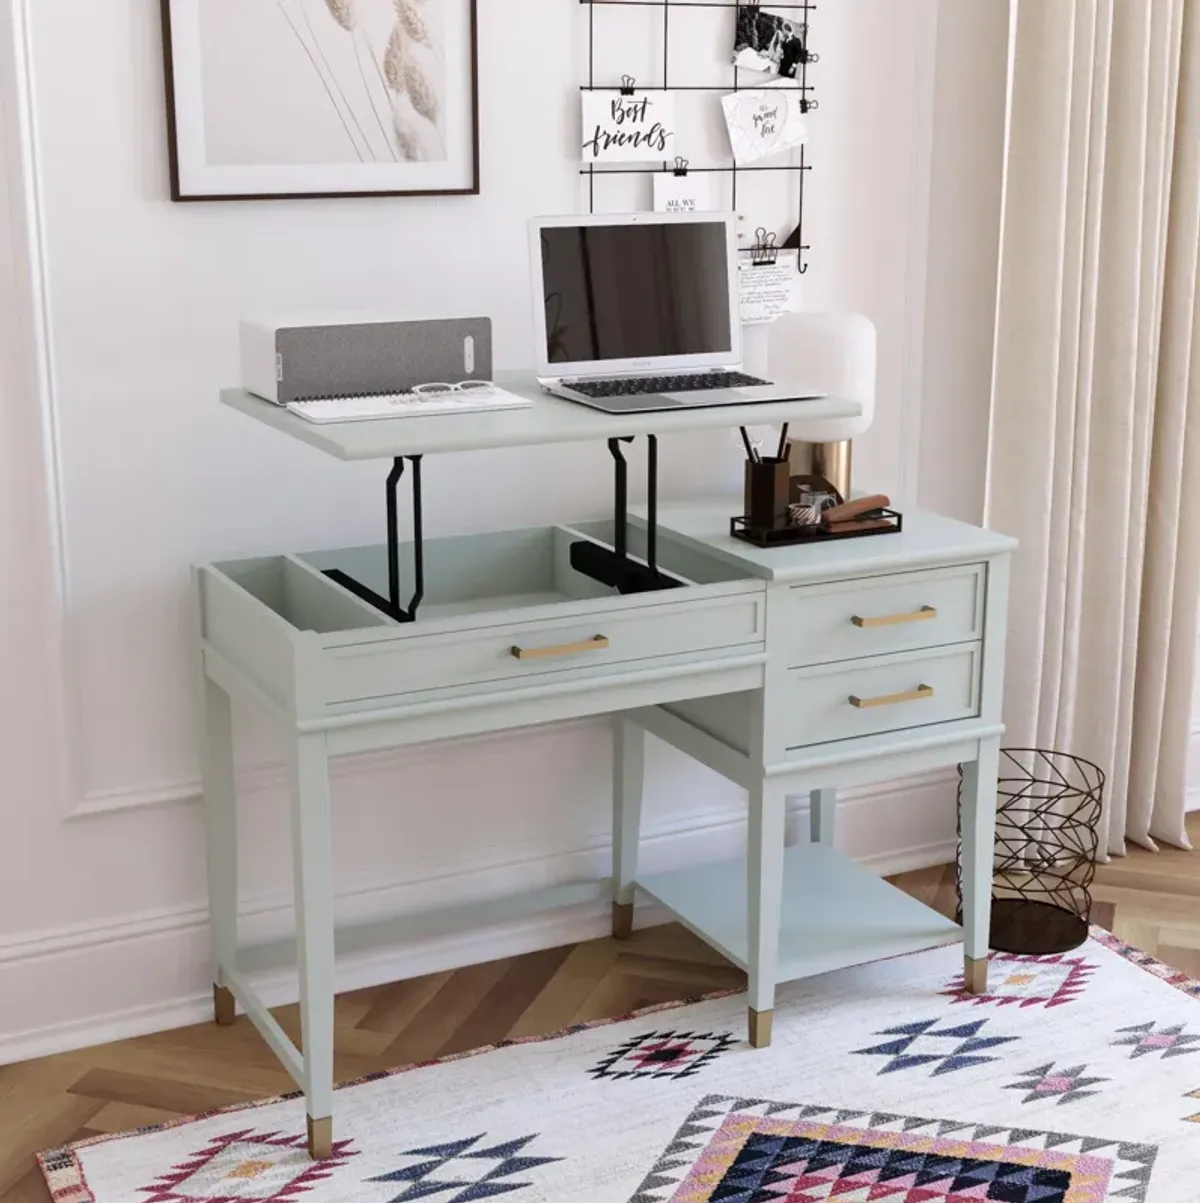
[101, 891]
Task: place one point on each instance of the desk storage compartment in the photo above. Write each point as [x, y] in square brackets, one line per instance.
[510, 606]
[878, 615]
[888, 693]
[301, 598]
[505, 607]
[261, 616]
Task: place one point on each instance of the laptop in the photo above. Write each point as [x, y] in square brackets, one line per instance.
[639, 313]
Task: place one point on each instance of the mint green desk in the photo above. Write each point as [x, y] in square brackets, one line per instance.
[790, 672]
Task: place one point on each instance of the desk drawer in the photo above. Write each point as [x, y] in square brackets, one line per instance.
[578, 646]
[887, 693]
[500, 609]
[879, 615]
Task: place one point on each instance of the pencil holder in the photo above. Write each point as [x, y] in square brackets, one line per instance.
[768, 484]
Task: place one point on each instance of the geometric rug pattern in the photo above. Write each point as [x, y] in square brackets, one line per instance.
[1064, 1085]
[463, 1170]
[665, 1054]
[1149, 1039]
[880, 1086]
[1024, 981]
[923, 1043]
[753, 1150]
[246, 1165]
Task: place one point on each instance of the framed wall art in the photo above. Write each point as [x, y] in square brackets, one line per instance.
[321, 98]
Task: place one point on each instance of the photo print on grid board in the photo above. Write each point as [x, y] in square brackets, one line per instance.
[774, 43]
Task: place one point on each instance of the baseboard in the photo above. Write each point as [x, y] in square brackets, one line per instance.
[912, 860]
[550, 930]
[149, 972]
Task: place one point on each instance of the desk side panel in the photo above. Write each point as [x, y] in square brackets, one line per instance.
[248, 635]
[994, 637]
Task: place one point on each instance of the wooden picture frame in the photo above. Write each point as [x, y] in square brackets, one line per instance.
[292, 99]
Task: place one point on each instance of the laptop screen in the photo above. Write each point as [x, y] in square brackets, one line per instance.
[638, 291]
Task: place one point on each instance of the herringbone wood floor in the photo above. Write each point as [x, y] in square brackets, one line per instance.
[1150, 901]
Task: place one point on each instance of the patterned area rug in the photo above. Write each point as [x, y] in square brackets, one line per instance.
[1077, 1080]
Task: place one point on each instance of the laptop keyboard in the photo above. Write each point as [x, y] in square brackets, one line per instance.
[633, 386]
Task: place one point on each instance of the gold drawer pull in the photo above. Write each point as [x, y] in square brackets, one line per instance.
[922, 693]
[597, 644]
[924, 614]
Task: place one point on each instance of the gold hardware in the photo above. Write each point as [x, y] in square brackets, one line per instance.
[924, 614]
[976, 975]
[761, 1023]
[597, 644]
[320, 1138]
[920, 694]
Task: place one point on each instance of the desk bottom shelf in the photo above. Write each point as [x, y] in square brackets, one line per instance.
[835, 912]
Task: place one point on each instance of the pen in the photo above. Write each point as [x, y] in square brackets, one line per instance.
[783, 443]
[753, 455]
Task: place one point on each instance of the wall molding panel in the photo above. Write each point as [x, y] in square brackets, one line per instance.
[38, 324]
[261, 778]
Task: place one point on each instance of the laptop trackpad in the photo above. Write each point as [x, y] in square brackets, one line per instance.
[639, 403]
[702, 397]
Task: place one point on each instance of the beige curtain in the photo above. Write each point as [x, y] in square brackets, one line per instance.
[1095, 449]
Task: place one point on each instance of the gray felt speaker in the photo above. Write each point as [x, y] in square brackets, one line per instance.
[285, 363]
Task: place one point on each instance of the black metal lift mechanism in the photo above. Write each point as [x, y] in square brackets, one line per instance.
[390, 605]
[615, 568]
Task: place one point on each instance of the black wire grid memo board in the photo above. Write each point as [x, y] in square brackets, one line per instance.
[735, 81]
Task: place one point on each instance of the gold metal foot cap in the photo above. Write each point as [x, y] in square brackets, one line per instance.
[761, 1023]
[320, 1138]
[622, 920]
[976, 973]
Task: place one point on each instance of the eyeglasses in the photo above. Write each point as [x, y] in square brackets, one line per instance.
[442, 389]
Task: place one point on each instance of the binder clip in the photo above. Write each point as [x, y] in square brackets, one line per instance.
[627, 82]
[764, 252]
[681, 166]
[808, 106]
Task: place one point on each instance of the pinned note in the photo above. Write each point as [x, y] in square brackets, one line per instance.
[688, 193]
[769, 290]
[763, 122]
[628, 127]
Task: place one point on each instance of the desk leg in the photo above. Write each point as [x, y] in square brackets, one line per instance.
[629, 761]
[313, 872]
[220, 814]
[764, 882]
[978, 853]
[823, 815]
